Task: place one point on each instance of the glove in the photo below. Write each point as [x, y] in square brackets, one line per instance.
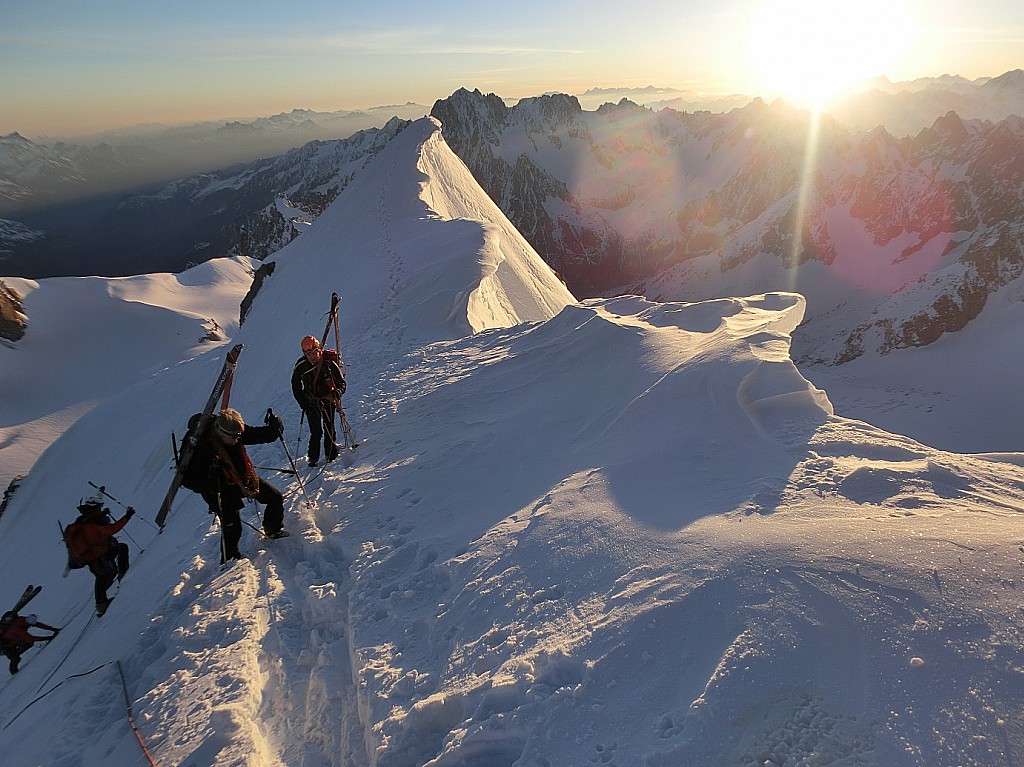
[129, 513]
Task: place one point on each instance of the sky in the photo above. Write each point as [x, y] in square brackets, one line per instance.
[71, 68]
[678, 550]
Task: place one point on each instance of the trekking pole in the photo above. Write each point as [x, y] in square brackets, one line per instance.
[103, 491]
[280, 438]
[250, 525]
[256, 507]
[274, 468]
[129, 537]
[298, 438]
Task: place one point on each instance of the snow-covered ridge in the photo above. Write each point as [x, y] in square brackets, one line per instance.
[612, 532]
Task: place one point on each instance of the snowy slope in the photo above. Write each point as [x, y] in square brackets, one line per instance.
[89, 338]
[611, 532]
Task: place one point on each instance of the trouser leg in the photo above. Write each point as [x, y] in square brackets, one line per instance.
[230, 533]
[273, 502]
[121, 559]
[316, 433]
[104, 571]
[330, 435]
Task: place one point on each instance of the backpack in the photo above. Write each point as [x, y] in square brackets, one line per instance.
[192, 477]
[75, 541]
[82, 548]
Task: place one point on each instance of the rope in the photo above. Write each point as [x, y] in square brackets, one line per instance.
[131, 718]
[73, 676]
[70, 650]
[127, 701]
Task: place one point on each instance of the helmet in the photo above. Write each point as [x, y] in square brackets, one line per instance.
[230, 423]
[309, 343]
[90, 506]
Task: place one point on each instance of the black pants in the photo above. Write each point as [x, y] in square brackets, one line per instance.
[108, 567]
[321, 427]
[14, 654]
[228, 504]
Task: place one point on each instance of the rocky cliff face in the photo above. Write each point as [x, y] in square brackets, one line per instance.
[13, 321]
[909, 235]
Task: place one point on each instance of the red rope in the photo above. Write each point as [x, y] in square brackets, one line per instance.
[131, 719]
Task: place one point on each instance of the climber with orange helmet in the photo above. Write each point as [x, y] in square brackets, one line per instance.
[317, 385]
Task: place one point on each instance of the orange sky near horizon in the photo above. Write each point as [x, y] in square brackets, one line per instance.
[70, 69]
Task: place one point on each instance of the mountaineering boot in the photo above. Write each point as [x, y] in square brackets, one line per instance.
[278, 534]
[101, 608]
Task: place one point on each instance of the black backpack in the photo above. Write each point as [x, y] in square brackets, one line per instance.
[192, 476]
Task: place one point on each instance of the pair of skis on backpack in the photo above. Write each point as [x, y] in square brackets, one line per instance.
[30, 593]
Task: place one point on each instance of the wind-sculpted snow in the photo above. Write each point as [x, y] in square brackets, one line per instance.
[88, 338]
[648, 487]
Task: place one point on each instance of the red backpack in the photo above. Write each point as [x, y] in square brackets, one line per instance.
[84, 545]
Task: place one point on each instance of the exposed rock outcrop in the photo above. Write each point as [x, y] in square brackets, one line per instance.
[13, 321]
[261, 274]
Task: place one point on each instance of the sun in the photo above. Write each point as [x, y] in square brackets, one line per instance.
[809, 51]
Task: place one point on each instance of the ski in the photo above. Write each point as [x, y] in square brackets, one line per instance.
[349, 442]
[220, 387]
[27, 596]
[332, 319]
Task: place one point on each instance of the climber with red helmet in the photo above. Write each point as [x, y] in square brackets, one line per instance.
[317, 385]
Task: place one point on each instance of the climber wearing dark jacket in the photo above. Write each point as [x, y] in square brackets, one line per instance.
[221, 472]
[317, 385]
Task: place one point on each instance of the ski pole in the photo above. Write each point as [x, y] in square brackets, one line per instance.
[103, 490]
[129, 537]
[256, 506]
[249, 524]
[280, 438]
[274, 468]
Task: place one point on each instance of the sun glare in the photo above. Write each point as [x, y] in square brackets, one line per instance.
[809, 51]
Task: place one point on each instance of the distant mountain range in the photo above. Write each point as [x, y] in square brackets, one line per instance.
[902, 108]
[903, 238]
[72, 209]
[35, 173]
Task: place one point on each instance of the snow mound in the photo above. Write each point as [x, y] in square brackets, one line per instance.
[90, 337]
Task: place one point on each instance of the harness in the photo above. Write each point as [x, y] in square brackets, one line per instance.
[237, 468]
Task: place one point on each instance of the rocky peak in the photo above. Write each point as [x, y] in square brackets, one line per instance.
[13, 321]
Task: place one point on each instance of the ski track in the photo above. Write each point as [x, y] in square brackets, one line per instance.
[304, 581]
[309, 709]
